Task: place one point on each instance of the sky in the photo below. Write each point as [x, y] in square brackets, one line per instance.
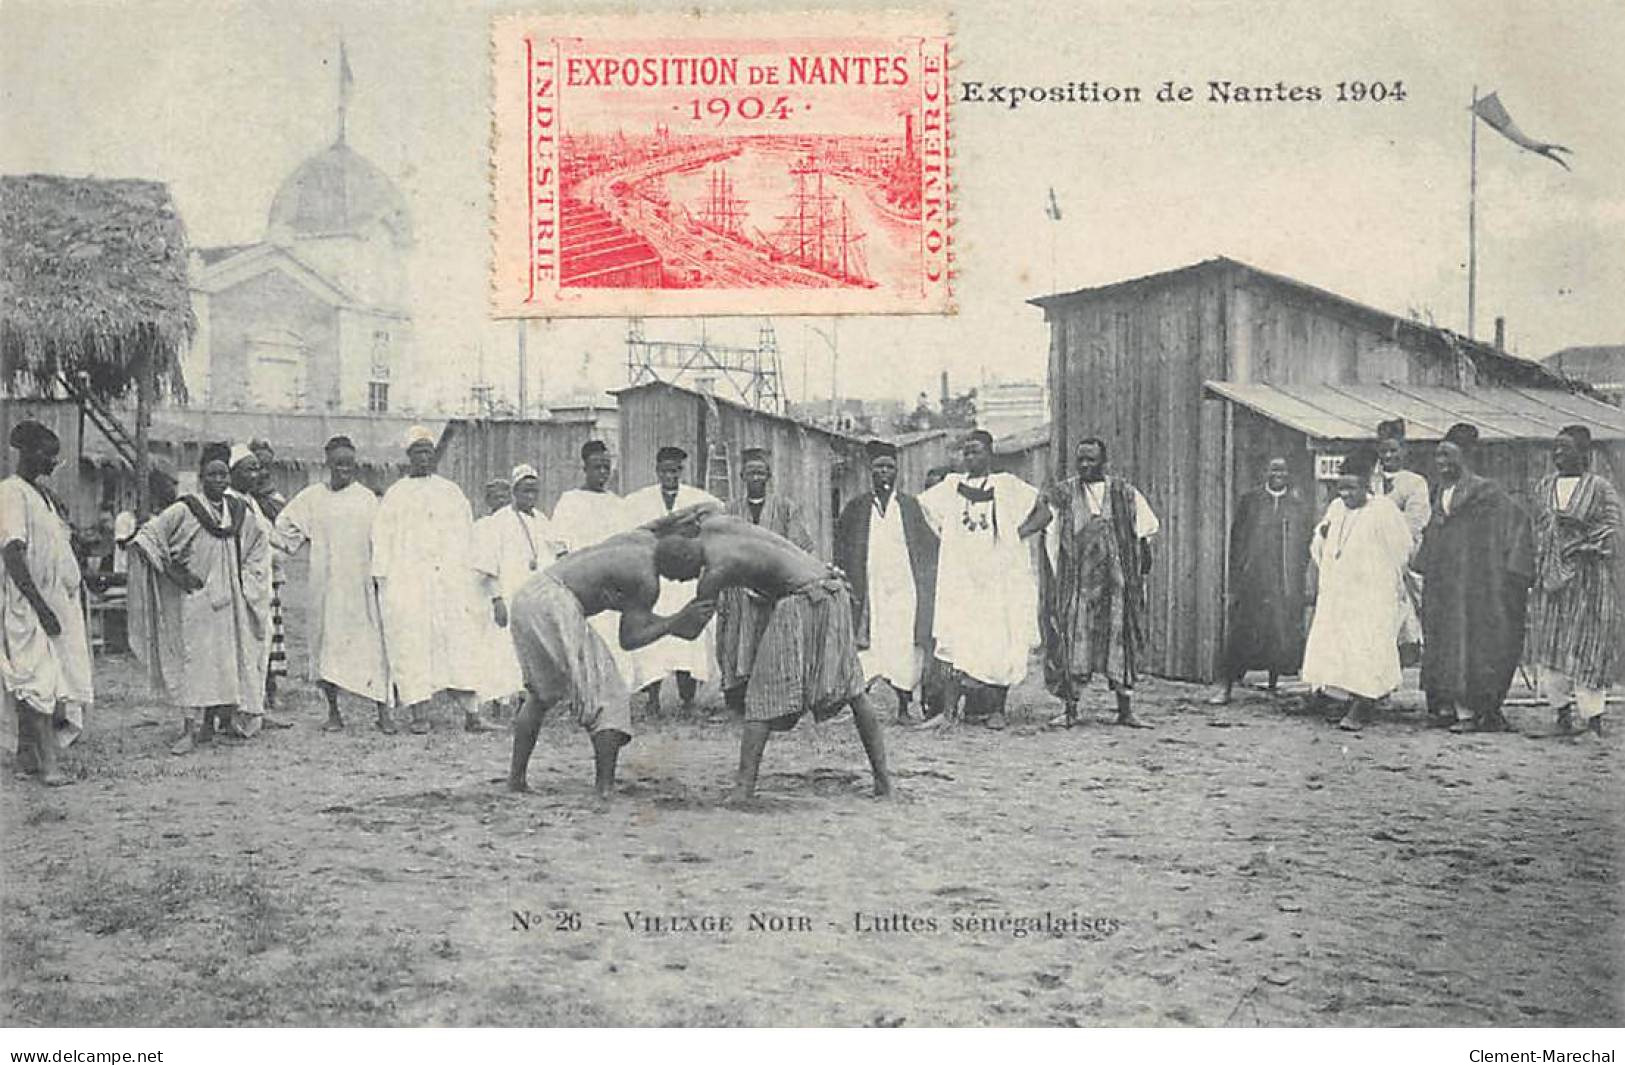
[1369, 200]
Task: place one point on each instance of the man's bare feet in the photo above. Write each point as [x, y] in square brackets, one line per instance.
[184, 745]
[1128, 720]
[334, 723]
[267, 720]
[518, 787]
[55, 778]
[419, 727]
[386, 724]
[1219, 699]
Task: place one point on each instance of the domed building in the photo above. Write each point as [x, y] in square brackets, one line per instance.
[315, 316]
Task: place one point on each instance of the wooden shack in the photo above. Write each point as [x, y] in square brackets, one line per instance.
[819, 468]
[1193, 377]
[475, 450]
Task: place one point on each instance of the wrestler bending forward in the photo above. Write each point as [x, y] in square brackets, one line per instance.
[807, 658]
[565, 661]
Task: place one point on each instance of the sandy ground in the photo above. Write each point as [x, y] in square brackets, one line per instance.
[1233, 866]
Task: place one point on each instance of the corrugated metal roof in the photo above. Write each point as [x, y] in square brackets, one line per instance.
[1351, 412]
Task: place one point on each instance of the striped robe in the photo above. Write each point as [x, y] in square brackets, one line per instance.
[1574, 605]
[741, 615]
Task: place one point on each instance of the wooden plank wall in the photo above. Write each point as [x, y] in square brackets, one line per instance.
[819, 470]
[1128, 367]
[477, 450]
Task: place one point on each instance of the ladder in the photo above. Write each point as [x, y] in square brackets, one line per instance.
[101, 417]
[719, 473]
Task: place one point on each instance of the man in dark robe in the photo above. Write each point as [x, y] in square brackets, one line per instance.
[1477, 562]
[893, 591]
[742, 615]
[1269, 561]
[1095, 611]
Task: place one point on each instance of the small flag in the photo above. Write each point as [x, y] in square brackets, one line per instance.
[1053, 208]
[1489, 109]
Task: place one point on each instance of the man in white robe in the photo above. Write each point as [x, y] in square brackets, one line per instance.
[512, 546]
[1360, 549]
[590, 515]
[986, 619]
[885, 546]
[45, 677]
[200, 600]
[1407, 490]
[422, 538]
[345, 630]
[690, 660]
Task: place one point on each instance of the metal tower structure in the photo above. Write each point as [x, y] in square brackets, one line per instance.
[751, 376]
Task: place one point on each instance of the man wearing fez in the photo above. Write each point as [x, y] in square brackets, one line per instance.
[200, 598]
[1574, 623]
[885, 546]
[742, 615]
[1269, 564]
[1360, 549]
[346, 637]
[1476, 561]
[45, 677]
[269, 502]
[689, 659]
[246, 479]
[1407, 490]
[590, 515]
[511, 546]
[422, 538]
[1095, 609]
[986, 614]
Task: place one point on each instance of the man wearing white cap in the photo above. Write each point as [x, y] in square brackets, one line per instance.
[690, 660]
[511, 546]
[421, 543]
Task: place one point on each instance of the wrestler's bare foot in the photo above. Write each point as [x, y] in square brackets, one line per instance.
[741, 798]
[55, 778]
[518, 787]
[1220, 699]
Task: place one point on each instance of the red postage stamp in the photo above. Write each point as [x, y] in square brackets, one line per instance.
[724, 164]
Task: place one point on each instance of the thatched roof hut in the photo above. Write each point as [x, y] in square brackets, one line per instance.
[92, 278]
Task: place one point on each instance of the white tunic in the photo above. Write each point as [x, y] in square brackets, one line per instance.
[986, 618]
[584, 518]
[670, 653]
[509, 548]
[345, 626]
[1353, 641]
[422, 538]
[891, 653]
[42, 672]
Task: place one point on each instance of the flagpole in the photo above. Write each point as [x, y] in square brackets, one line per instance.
[1472, 218]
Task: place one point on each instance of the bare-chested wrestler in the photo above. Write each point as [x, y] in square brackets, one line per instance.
[564, 660]
[807, 658]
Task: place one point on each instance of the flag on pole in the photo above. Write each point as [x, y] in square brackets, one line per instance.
[1052, 209]
[1490, 109]
[346, 78]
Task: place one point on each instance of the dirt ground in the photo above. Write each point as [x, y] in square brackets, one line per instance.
[1233, 866]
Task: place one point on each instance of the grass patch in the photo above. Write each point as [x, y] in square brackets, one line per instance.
[249, 915]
